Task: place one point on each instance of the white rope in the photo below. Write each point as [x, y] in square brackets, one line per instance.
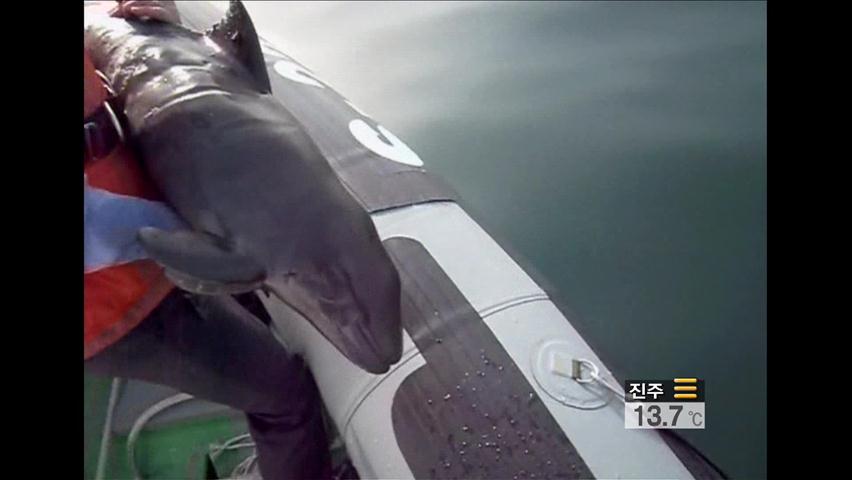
[245, 466]
[215, 450]
[231, 444]
[594, 376]
[142, 420]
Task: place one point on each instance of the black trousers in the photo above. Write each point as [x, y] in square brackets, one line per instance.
[213, 348]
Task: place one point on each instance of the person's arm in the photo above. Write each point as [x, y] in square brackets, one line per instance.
[94, 92]
[163, 10]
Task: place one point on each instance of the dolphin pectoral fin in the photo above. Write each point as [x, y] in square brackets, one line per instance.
[236, 34]
[200, 263]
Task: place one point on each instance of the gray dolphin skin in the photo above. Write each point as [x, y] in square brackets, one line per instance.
[265, 208]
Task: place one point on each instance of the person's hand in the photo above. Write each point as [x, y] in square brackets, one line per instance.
[162, 10]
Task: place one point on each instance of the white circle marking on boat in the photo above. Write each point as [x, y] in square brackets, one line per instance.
[297, 73]
[396, 151]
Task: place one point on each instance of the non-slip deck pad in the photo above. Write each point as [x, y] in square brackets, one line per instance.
[469, 412]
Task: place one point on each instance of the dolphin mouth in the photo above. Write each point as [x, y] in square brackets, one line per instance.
[353, 339]
[362, 349]
[360, 343]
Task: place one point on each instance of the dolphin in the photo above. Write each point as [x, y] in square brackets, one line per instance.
[265, 209]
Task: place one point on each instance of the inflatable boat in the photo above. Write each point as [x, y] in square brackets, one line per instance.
[491, 383]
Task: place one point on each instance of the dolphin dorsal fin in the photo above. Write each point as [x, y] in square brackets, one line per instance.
[235, 33]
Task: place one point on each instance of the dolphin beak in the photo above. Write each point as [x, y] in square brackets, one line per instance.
[362, 347]
[373, 347]
[364, 354]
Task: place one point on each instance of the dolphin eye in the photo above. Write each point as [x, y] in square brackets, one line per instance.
[333, 291]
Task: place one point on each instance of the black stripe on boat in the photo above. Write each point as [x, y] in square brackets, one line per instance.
[469, 412]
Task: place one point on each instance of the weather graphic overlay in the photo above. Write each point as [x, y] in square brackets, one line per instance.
[665, 404]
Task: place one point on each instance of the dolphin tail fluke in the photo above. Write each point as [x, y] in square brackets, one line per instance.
[200, 263]
[236, 34]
